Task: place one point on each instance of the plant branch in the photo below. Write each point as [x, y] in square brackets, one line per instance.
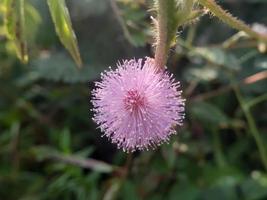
[256, 101]
[253, 128]
[44, 153]
[249, 80]
[88, 163]
[161, 40]
[230, 20]
[120, 20]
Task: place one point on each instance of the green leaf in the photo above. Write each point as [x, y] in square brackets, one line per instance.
[61, 19]
[226, 176]
[33, 20]
[206, 73]
[177, 13]
[209, 114]
[184, 191]
[15, 27]
[59, 67]
[217, 56]
[173, 13]
[65, 141]
[128, 189]
[253, 189]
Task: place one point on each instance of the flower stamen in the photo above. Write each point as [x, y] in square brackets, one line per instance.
[133, 101]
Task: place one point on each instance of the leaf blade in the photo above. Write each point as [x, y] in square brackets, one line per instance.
[15, 27]
[61, 19]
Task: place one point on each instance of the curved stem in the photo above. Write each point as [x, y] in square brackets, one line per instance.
[257, 100]
[253, 128]
[230, 20]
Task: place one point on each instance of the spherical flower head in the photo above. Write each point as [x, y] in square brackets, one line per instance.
[137, 106]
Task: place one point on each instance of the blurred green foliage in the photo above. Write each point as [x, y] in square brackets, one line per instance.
[51, 149]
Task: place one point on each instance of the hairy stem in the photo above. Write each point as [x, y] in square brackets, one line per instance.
[161, 44]
[230, 20]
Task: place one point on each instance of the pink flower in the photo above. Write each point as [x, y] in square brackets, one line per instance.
[136, 106]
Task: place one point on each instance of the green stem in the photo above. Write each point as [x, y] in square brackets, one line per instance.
[257, 100]
[253, 128]
[230, 20]
[191, 35]
[124, 28]
[233, 40]
[248, 56]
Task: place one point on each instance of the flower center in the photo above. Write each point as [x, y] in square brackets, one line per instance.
[133, 100]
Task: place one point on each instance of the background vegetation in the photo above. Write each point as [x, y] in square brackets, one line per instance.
[51, 149]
